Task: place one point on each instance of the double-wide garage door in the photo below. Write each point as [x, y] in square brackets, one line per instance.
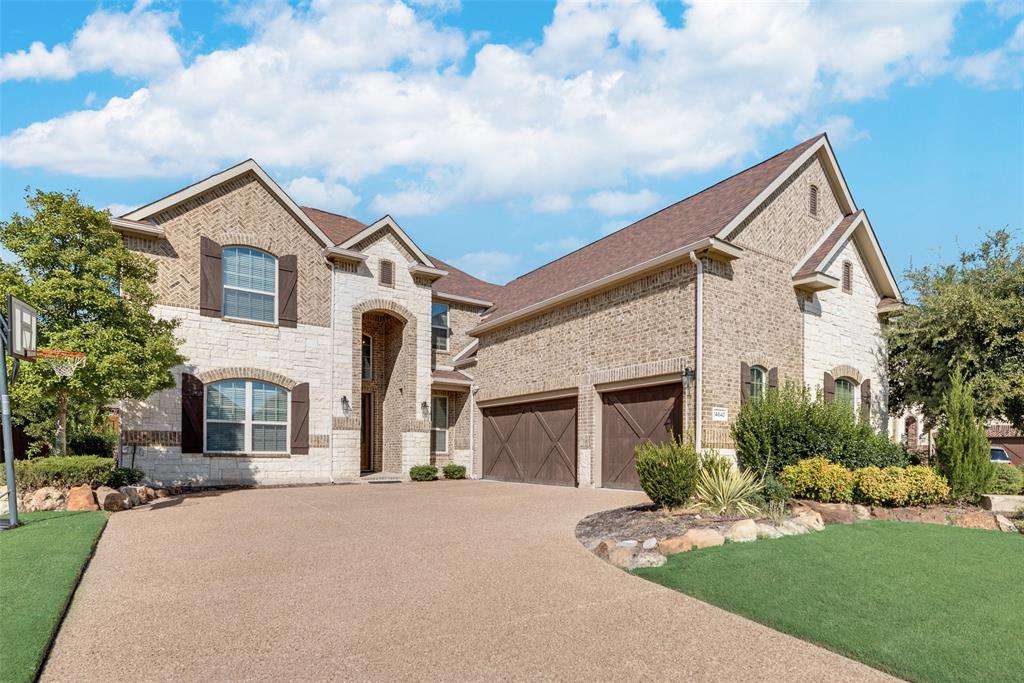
[632, 417]
[531, 442]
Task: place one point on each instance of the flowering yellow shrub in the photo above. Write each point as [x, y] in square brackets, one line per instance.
[820, 480]
[899, 486]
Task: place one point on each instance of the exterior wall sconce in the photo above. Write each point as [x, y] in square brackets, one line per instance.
[425, 407]
[346, 409]
[688, 376]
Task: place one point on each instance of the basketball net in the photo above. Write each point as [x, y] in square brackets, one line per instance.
[63, 363]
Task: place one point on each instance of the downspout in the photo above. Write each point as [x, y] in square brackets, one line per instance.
[472, 427]
[330, 438]
[699, 361]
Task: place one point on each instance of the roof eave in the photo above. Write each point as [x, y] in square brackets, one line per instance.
[815, 282]
[427, 272]
[137, 228]
[389, 222]
[344, 255]
[445, 296]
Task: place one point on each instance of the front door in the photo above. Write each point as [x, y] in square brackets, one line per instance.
[366, 434]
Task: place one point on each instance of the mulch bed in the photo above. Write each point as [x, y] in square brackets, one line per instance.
[640, 522]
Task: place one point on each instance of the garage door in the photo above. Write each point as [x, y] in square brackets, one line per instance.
[531, 442]
[631, 417]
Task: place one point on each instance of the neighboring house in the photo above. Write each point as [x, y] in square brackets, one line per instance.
[1003, 435]
[321, 349]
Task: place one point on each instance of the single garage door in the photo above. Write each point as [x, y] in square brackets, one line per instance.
[631, 417]
[531, 442]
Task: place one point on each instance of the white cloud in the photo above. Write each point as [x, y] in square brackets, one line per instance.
[552, 203]
[613, 203]
[120, 209]
[1001, 67]
[322, 195]
[493, 266]
[352, 91]
[136, 43]
[562, 245]
[842, 130]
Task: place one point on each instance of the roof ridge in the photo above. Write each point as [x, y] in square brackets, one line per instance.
[669, 206]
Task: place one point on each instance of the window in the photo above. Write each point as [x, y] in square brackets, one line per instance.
[847, 277]
[844, 392]
[758, 381]
[246, 416]
[367, 357]
[439, 331]
[439, 424]
[250, 284]
[813, 201]
[387, 273]
[999, 455]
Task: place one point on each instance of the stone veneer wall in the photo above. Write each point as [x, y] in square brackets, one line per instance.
[238, 212]
[844, 329]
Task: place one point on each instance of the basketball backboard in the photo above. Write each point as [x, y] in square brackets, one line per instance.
[21, 319]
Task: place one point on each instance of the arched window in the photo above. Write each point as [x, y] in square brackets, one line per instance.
[847, 277]
[246, 416]
[812, 201]
[250, 284]
[845, 392]
[758, 381]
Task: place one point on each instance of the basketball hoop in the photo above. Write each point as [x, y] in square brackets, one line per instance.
[63, 363]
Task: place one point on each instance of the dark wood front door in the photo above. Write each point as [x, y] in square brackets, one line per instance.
[632, 417]
[531, 442]
[366, 434]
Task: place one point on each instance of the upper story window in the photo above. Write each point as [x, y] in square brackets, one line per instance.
[367, 357]
[758, 381]
[845, 392]
[847, 277]
[439, 330]
[246, 416]
[250, 284]
[439, 424]
[812, 201]
[387, 273]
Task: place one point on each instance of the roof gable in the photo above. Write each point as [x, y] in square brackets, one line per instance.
[387, 223]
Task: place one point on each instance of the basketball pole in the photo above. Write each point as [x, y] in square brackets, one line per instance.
[5, 405]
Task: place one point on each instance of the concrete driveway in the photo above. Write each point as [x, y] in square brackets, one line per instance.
[436, 581]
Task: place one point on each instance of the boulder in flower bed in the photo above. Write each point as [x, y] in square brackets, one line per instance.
[742, 531]
[81, 498]
[44, 499]
[110, 499]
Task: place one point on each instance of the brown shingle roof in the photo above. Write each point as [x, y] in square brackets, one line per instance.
[449, 376]
[697, 217]
[339, 228]
[813, 263]
[1002, 430]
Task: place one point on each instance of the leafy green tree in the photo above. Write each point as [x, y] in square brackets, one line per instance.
[961, 446]
[968, 315]
[93, 295]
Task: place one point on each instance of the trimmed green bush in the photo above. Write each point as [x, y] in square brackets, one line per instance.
[775, 491]
[668, 472]
[62, 471]
[1007, 481]
[820, 480]
[125, 476]
[962, 452]
[899, 486]
[93, 443]
[787, 426]
[453, 471]
[423, 473]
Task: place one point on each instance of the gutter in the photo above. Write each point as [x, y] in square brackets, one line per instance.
[699, 361]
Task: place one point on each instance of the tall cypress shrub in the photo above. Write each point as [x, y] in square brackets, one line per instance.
[961, 447]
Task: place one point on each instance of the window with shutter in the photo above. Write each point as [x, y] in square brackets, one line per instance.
[387, 273]
[246, 416]
[250, 284]
[847, 277]
[813, 200]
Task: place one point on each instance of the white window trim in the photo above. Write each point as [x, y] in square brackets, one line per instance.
[361, 374]
[447, 423]
[853, 391]
[447, 328]
[224, 286]
[764, 380]
[248, 422]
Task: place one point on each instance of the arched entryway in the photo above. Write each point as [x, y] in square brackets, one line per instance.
[385, 382]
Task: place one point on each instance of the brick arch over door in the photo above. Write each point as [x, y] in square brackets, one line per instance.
[218, 374]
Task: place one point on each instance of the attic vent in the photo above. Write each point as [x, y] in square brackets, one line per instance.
[847, 277]
[387, 273]
[813, 202]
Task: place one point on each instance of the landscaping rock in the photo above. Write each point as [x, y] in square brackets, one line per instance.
[44, 499]
[150, 494]
[131, 495]
[861, 512]
[627, 557]
[811, 520]
[767, 531]
[110, 499]
[621, 557]
[80, 498]
[162, 493]
[650, 544]
[648, 559]
[1002, 503]
[742, 531]
[791, 527]
[833, 513]
[1005, 524]
[627, 544]
[174, 490]
[975, 520]
[603, 548]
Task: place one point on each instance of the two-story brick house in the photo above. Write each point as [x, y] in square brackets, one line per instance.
[321, 349]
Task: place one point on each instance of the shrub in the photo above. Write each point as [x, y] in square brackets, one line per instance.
[775, 491]
[899, 486]
[787, 426]
[93, 443]
[124, 476]
[927, 487]
[820, 480]
[453, 471]
[727, 491]
[668, 472]
[62, 471]
[962, 452]
[1007, 481]
[423, 473]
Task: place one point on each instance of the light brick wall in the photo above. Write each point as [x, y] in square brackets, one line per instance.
[461, 319]
[844, 329]
[458, 429]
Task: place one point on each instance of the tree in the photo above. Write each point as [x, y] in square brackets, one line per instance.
[93, 295]
[961, 446]
[968, 315]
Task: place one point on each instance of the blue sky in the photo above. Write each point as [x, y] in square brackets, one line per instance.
[502, 135]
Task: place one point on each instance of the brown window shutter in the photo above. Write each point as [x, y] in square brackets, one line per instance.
[387, 273]
[744, 382]
[865, 400]
[773, 378]
[829, 386]
[300, 419]
[288, 291]
[211, 278]
[191, 414]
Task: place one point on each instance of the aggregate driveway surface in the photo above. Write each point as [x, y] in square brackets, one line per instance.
[441, 581]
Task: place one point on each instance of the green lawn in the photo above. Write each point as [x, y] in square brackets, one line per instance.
[40, 563]
[924, 602]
